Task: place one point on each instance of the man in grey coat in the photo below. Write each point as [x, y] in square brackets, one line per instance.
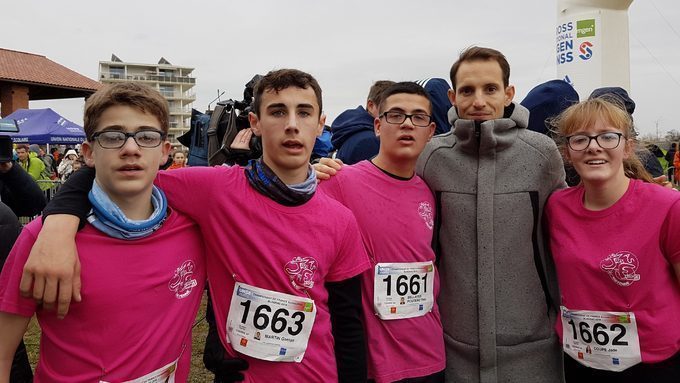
[491, 178]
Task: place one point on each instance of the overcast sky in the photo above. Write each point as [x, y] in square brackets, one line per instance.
[346, 45]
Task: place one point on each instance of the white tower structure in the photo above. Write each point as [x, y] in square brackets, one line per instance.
[592, 44]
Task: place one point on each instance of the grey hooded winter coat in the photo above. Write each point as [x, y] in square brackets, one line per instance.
[499, 296]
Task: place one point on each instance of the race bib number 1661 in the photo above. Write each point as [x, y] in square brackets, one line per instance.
[403, 290]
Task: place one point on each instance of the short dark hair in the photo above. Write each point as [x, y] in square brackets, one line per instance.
[280, 79]
[138, 96]
[378, 87]
[22, 146]
[481, 54]
[407, 87]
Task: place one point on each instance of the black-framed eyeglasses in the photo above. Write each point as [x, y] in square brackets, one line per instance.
[114, 139]
[417, 119]
[608, 140]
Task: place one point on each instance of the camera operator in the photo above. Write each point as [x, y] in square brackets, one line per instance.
[229, 120]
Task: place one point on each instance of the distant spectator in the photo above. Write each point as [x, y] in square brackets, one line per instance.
[77, 165]
[30, 162]
[66, 166]
[49, 161]
[56, 154]
[660, 155]
[178, 160]
[670, 156]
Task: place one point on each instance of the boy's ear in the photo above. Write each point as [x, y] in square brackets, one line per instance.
[254, 124]
[376, 126]
[86, 150]
[322, 124]
[166, 147]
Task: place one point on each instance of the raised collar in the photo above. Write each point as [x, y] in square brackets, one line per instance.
[494, 135]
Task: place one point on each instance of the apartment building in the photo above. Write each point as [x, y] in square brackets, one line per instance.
[174, 82]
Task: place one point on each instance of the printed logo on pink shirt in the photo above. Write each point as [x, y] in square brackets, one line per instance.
[183, 281]
[621, 267]
[425, 212]
[301, 272]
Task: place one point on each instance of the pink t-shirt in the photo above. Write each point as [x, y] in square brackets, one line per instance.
[140, 299]
[642, 229]
[254, 240]
[396, 218]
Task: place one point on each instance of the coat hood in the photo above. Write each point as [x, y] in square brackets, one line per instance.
[546, 101]
[350, 122]
[437, 89]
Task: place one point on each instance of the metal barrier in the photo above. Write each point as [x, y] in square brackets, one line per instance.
[25, 220]
[50, 191]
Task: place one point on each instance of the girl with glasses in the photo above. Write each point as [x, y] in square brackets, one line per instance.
[618, 263]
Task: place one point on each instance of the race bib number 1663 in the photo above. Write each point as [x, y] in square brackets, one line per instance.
[269, 325]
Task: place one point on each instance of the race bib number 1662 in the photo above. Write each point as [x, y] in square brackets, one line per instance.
[601, 339]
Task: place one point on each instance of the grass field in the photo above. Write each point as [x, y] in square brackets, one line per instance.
[198, 371]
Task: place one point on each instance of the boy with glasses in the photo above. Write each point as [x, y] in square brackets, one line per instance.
[143, 267]
[395, 211]
[283, 260]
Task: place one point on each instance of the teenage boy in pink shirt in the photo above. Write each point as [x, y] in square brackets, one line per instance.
[395, 211]
[143, 265]
[284, 261]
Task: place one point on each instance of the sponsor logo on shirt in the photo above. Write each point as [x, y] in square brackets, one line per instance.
[301, 272]
[183, 281]
[425, 212]
[621, 267]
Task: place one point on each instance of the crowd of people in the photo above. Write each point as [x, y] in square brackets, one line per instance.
[472, 239]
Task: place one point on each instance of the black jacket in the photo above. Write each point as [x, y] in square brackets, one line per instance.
[20, 193]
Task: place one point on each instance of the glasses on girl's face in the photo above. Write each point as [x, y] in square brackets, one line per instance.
[608, 140]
